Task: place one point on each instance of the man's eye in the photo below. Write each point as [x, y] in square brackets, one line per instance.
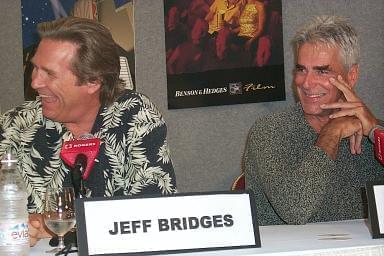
[323, 72]
[299, 70]
[50, 74]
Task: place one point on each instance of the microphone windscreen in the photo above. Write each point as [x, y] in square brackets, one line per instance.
[379, 145]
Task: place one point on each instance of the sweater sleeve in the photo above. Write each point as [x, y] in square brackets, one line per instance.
[289, 178]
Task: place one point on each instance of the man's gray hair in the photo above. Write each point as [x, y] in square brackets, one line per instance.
[334, 31]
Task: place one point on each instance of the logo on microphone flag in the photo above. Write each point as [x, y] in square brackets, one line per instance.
[379, 145]
[88, 147]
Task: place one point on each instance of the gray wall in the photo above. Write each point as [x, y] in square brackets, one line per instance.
[207, 143]
[11, 64]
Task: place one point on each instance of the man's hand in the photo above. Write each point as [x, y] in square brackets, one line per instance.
[36, 228]
[353, 106]
[336, 130]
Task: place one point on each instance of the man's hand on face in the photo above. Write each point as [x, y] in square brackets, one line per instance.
[353, 106]
[337, 129]
[36, 228]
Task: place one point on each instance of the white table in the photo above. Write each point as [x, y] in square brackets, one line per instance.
[350, 237]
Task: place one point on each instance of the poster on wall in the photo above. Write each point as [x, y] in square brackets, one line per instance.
[117, 15]
[221, 52]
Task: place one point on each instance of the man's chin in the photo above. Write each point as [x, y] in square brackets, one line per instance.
[312, 109]
[315, 111]
[49, 114]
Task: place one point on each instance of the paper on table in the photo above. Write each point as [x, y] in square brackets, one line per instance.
[331, 236]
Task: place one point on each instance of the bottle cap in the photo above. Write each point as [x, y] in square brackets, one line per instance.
[8, 159]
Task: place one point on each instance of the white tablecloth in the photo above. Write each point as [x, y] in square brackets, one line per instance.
[329, 238]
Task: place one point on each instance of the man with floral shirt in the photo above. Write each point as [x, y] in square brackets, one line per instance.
[76, 74]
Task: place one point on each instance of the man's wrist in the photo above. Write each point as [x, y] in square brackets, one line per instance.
[379, 126]
[328, 141]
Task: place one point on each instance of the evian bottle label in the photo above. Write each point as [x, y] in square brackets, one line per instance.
[14, 232]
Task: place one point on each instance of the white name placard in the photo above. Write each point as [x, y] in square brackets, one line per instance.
[181, 222]
[379, 198]
[375, 196]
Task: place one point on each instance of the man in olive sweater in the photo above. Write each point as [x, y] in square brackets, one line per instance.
[310, 162]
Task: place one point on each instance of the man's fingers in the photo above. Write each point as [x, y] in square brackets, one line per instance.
[358, 139]
[35, 223]
[35, 217]
[349, 112]
[353, 106]
[344, 88]
[355, 142]
[352, 143]
[36, 229]
[342, 105]
[33, 233]
[362, 113]
[32, 241]
[44, 234]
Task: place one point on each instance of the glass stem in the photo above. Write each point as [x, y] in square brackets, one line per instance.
[61, 242]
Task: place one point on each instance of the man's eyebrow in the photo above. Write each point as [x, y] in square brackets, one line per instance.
[43, 68]
[320, 68]
[299, 66]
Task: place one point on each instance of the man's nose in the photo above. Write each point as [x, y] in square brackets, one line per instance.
[37, 80]
[308, 80]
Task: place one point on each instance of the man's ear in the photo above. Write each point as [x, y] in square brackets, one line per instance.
[93, 86]
[353, 75]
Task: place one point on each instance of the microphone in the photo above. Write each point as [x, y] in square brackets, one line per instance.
[76, 175]
[378, 135]
[80, 156]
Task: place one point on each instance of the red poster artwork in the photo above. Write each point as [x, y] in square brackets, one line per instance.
[222, 52]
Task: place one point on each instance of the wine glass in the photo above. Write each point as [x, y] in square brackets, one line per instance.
[59, 213]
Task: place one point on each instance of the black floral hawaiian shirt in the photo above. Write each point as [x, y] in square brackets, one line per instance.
[133, 158]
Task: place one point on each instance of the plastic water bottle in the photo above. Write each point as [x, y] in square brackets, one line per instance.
[14, 239]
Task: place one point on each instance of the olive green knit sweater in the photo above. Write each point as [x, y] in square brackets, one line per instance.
[296, 182]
